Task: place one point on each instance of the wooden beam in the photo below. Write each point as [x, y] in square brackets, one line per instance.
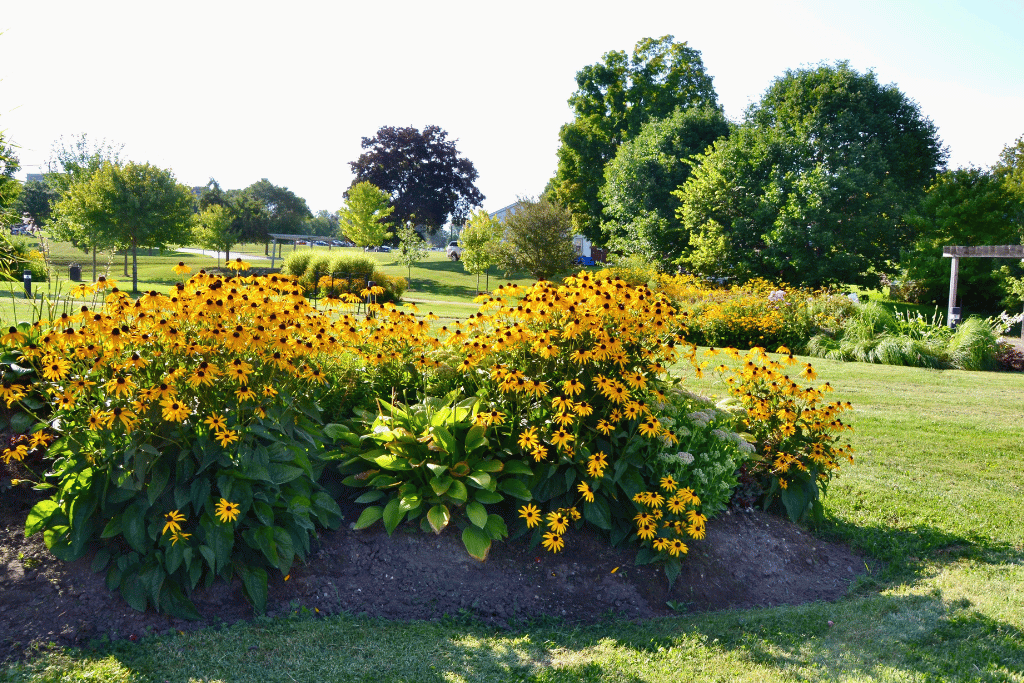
[954, 273]
[1007, 251]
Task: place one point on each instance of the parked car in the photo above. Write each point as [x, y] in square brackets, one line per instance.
[339, 243]
[454, 251]
[382, 247]
[319, 243]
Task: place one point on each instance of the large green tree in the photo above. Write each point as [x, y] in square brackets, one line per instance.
[964, 207]
[277, 210]
[74, 160]
[37, 199]
[214, 229]
[537, 238]
[813, 188]
[613, 100]
[426, 179]
[637, 194]
[363, 219]
[130, 205]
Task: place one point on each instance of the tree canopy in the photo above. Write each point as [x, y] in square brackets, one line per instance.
[639, 181]
[964, 207]
[37, 199]
[130, 205]
[480, 241]
[280, 211]
[538, 239]
[813, 187]
[613, 100]
[363, 218]
[422, 173]
[9, 186]
[214, 229]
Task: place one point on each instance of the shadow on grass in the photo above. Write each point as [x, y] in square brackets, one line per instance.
[906, 554]
[908, 637]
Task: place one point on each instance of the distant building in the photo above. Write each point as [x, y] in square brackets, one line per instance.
[34, 177]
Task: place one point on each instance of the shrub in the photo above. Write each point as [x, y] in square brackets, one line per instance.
[184, 452]
[297, 262]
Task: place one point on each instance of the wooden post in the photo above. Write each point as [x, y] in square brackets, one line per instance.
[954, 273]
[273, 251]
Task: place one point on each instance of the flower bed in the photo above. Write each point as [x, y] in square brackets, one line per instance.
[187, 434]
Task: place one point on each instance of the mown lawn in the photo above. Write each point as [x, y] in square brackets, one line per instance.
[934, 500]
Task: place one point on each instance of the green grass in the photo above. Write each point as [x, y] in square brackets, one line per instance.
[933, 500]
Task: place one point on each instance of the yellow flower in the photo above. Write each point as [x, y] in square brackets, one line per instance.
[676, 546]
[238, 264]
[561, 438]
[55, 368]
[558, 522]
[646, 530]
[528, 439]
[649, 427]
[173, 411]
[573, 387]
[11, 392]
[179, 536]
[225, 437]
[553, 542]
[226, 511]
[121, 386]
[530, 513]
[583, 409]
[585, 491]
[668, 483]
[182, 269]
[173, 520]
[216, 422]
[660, 544]
[605, 427]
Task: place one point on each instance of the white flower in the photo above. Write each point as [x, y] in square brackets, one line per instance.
[777, 295]
[685, 457]
[852, 296]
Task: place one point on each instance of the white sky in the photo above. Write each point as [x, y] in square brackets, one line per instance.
[240, 91]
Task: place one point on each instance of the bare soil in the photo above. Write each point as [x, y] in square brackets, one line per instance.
[748, 559]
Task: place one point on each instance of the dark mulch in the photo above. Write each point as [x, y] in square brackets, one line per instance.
[749, 559]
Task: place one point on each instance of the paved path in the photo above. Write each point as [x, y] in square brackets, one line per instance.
[220, 254]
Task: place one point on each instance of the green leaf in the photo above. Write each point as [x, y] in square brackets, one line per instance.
[436, 468]
[516, 489]
[477, 514]
[134, 523]
[263, 539]
[174, 602]
[254, 581]
[476, 438]
[488, 497]
[21, 423]
[477, 542]
[496, 527]
[282, 474]
[285, 549]
[672, 567]
[491, 466]
[264, 512]
[517, 467]
[597, 513]
[39, 515]
[369, 516]
[481, 479]
[221, 539]
[440, 484]
[370, 497]
[340, 432]
[393, 515]
[158, 481]
[133, 591]
[457, 491]
[646, 555]
[326, 510]
[100, 560]
[152, 580]
[438, 518]
[445, 440]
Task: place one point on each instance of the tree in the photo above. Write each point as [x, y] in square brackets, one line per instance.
[613, 100]
[362, 219]
[411, 247]
[36, 199]
[131, 204]
[75, 161]
[215, 229]
[421, 172]
[639, 182]
[813, 187]
[479, 241]
[964, 207]
[10, 188]
[276, 210]
[537, 239]
[323, 223]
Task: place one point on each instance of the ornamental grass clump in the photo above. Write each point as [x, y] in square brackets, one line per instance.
[186, 444]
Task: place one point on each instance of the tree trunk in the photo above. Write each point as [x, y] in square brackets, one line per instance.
[126, 262]
[135, 267]
[94, 261]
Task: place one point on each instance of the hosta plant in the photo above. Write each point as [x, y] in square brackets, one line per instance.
[435, 461]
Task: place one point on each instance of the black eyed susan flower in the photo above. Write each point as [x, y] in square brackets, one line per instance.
[558, 522]
[226, 511]
[182, 269]
[225, 437]
[216, 422]
[172, 521]
[173, 410]
[530, 514]
[675, 547]
[585, 491]
[553, 542]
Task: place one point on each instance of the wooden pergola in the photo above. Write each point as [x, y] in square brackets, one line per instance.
[1007, 251]
[294, 239]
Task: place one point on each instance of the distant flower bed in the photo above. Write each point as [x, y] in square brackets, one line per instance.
[186, 433]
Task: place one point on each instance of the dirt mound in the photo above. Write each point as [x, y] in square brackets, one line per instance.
[748, 559]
